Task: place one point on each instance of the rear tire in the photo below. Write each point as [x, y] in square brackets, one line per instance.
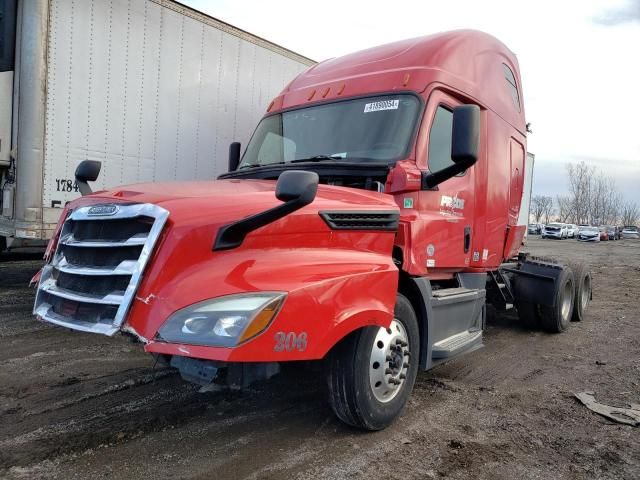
[555, 319]
[582, 290]
[356, 371]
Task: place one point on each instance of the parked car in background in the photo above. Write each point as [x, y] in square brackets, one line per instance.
[534, 229]
[604, 235]
[555, 230]
[572, 230]
[612, 232]
[589, 234]
[630, 232]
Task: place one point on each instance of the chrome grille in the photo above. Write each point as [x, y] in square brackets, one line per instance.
[98, 264]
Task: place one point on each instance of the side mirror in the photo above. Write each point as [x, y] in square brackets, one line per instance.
[234, 156]
[295, 188]
[297, 185]
[465, 145]
[465, 135]
[87, 171]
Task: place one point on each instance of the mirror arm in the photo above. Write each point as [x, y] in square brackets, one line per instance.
[231, 235]
[432, 180]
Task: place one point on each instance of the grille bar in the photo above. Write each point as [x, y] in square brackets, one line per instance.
[46, 313]
[94, 295]
[125, 267]
[110, 299]
[132, 241]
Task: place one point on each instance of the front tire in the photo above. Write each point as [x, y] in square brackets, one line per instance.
[371, 372]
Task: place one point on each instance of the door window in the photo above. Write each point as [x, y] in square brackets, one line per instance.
[440, 140]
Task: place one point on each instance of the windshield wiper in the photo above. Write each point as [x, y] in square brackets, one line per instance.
[317, 158]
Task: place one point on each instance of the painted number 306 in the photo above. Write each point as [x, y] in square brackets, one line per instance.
[290, 341]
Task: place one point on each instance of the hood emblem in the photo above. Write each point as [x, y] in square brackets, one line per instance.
[103, 210]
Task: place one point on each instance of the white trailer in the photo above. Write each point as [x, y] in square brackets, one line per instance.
[151, 88]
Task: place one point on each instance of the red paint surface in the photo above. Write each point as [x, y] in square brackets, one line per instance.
[338, 281]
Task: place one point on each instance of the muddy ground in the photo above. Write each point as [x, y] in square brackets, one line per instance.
[76, 405]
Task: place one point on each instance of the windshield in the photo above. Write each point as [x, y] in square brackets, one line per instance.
[373, 128]
[590, 230]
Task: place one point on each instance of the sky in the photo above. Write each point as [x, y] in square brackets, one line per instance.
[579, 61]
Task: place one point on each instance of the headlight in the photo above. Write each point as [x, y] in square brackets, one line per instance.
[224, 321]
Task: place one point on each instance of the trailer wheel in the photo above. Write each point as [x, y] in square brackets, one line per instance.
[371, 373]
[582, 294]
[556, 318]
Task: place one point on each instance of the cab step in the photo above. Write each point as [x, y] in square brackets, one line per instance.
[455, 344]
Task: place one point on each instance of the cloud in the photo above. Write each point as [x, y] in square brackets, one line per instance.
[629, 13]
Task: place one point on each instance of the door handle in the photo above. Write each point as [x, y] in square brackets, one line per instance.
[467, 239]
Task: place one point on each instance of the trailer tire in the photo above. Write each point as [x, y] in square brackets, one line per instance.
[357, 366]
[583, 293]
[556, 318]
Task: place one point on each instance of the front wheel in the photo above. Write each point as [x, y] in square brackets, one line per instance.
[371, 373]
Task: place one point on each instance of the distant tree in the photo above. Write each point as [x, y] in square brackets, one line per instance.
[541, 206]
[565, 213]
[537, 207]
[629, 213]
[579, 197]
[548, 209]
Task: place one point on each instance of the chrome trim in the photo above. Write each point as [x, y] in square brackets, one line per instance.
[50, 286]
[126, 267]
[134, 268]
[129, 242]
[44, 313]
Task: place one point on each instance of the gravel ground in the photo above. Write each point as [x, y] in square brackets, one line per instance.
[76, 405]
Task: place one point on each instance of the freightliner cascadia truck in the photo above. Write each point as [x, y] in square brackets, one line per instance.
[154, 90]
[379, 205]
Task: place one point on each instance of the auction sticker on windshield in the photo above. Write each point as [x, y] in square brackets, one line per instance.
[381, 105]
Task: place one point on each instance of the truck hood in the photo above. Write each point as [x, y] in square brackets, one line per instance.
[222, 201]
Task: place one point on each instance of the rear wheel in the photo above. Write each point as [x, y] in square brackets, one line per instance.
[582, 290]
[371, 372]
[556, 318]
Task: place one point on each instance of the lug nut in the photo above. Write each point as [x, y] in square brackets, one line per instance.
[405, 365]
[388, 358]
[402, 376]
[388, 371]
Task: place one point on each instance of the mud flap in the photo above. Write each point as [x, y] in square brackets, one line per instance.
[535, 282]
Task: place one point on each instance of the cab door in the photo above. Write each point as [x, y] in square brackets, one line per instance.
[447, 211]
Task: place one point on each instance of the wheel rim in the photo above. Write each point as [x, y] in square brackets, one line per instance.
[586, 292]
[567, 294]
[389, 362]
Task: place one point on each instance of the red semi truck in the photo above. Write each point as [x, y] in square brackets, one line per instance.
[380, 204]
